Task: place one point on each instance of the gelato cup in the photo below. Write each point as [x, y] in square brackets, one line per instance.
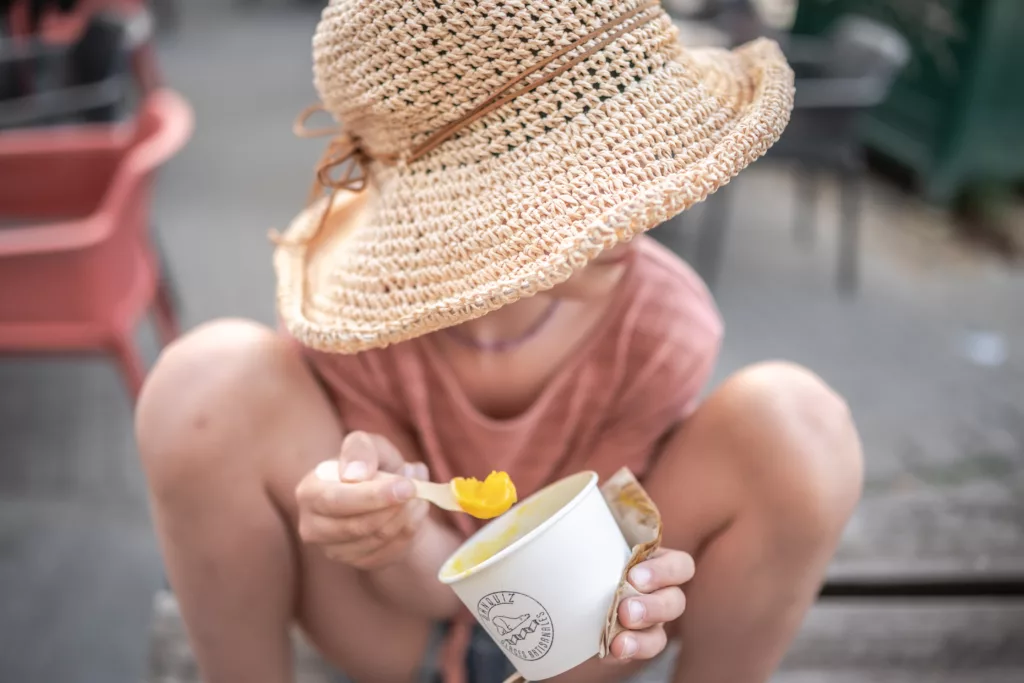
[541, 578]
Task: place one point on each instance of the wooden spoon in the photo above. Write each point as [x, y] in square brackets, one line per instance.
[441, 495]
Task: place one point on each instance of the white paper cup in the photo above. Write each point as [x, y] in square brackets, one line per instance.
[541, 578]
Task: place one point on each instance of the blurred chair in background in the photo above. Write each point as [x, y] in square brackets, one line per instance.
[72, 44]
[78, 268]
[839, 78]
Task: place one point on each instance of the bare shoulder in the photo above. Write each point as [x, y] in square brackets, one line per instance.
[673, 305]
[669, 337]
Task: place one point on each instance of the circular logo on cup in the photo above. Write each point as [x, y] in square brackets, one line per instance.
[519, 623]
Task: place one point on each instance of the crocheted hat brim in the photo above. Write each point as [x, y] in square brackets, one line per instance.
[434, 244]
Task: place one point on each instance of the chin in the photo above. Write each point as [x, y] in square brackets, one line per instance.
[596, 281]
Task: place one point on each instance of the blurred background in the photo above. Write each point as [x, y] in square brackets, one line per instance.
[145, 149]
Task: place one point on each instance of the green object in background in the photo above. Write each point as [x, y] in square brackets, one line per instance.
[955, 116]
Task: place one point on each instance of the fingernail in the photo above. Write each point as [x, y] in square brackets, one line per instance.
[636, 611]
[629, 646]
[327, 470]
[640, 576]
[422, 473]
[403, 490]
[408, 470]
[355, 471]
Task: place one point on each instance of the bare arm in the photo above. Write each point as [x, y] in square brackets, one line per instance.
[411, 583]
[369, 519]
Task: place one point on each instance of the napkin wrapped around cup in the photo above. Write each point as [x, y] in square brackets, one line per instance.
[640, 522]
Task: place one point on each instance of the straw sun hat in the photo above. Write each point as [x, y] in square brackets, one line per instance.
[485, 150]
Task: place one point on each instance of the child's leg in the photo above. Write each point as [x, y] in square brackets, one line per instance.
[758, 485]
[229, 422]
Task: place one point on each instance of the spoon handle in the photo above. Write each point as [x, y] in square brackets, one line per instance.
[440, 495]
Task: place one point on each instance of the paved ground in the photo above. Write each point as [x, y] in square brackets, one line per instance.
[941, 411]
[840, 643]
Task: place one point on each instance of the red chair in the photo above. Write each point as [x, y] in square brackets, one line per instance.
[77, 268]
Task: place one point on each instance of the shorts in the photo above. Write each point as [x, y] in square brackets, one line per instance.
[485, 662]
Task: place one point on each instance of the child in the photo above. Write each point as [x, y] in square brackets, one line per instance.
[475, 294]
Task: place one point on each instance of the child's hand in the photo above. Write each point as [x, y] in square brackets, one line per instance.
[367, 519]
[660, 579]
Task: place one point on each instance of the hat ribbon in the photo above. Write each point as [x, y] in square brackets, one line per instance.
[345, 163]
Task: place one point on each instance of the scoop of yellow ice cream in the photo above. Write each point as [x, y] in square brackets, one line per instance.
[485, 499]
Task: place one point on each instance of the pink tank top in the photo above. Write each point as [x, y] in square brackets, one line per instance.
[637, 376]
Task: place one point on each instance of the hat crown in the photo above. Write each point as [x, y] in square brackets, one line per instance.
[394, 71]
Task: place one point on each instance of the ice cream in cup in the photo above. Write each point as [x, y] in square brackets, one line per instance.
[541, 578]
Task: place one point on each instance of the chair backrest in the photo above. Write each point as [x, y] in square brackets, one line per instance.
[61, 174]
[81, 182]
[851, 69]
[863, 47]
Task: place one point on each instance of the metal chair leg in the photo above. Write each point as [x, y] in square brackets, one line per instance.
[133, 370]
[804, 229]
[166, 303]
[711, 239]
[164, 314]
[168, 15]
[848, 267]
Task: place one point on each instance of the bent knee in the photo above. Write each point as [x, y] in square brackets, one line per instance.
[217, 380]
[791, 396]
[800, 442]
